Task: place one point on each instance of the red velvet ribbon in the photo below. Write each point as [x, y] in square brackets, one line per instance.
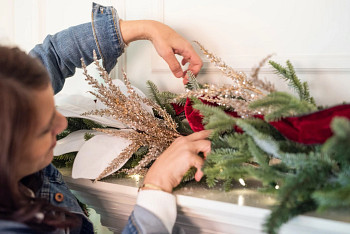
[313, 128]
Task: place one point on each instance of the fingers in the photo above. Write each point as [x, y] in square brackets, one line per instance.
[198, 162]
[201, 146]
[173, 64]
[195, 63]
[199, 174]
[199, 135]
[195, 67]
[175, 161]
[185, 80]
[189, 56]
[199, 142]
[184, 61]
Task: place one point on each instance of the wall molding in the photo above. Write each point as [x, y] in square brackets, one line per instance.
[157, 9]
[7, 18]
[303, 64]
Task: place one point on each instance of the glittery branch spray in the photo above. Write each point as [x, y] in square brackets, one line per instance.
[237, 95]
[145, 129]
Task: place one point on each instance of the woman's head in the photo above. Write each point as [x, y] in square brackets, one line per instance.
[29, 124]
[27, 112]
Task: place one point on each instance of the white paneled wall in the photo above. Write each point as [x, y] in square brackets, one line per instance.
[313, 34]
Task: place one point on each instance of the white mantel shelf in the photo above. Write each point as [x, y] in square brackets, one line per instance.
[201, 210]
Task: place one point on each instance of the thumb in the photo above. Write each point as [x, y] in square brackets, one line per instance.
[199, 174]
[198, 163]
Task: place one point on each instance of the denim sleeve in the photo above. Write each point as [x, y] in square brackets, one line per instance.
[61, 53]
[10, 227]
[143, 221]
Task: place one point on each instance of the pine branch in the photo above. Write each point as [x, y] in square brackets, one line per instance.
[335, 194]
[288, 73]
[89, 124]
[259, 156]
[136, 157]
[338, 145]
[88, 136]
[266, 142]
[65, 160]
[154, 93]
[282, 104]
[192, 83]
[227, 160]
[167, 97]
[295, 195]
[294, 80]
[189, 175]
[180, 101]
[215, 118]
[217, 173]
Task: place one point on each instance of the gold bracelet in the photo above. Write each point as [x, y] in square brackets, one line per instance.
[151, 186]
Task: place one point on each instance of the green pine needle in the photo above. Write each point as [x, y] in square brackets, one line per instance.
[282, 105]
[192, 83]
[154, 92]
[288, 73]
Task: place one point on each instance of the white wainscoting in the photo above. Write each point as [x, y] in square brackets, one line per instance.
[114, 202]
[313, 34]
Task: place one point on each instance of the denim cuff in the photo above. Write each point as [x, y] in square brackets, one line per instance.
[106, 30]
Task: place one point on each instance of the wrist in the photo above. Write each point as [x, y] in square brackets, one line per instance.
[151, 187]
[156, 184]
[134, 30]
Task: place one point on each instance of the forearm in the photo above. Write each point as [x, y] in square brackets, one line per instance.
[134, 30]
[166, 42]
[61, 53]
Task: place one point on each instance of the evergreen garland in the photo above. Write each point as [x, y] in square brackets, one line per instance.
[164, 99]
[310, 177]
[288, 73]
[192, 83]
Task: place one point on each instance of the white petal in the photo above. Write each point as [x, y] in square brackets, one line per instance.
[76, 105]
[73, 142]
[96, 155]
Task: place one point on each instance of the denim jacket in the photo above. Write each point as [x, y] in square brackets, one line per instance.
[55, 190]
[61, 54]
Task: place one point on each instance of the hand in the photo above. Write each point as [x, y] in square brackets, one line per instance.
[166, 42]
[169, 168]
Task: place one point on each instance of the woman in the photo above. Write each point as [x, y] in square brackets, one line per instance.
[33, 196]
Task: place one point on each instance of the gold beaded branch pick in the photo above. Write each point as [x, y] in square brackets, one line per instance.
[238, 95]
[145, 129]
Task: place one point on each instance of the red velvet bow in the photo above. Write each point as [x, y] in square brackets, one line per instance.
[312, 128]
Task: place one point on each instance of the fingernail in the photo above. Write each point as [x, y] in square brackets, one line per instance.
[179, 74]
